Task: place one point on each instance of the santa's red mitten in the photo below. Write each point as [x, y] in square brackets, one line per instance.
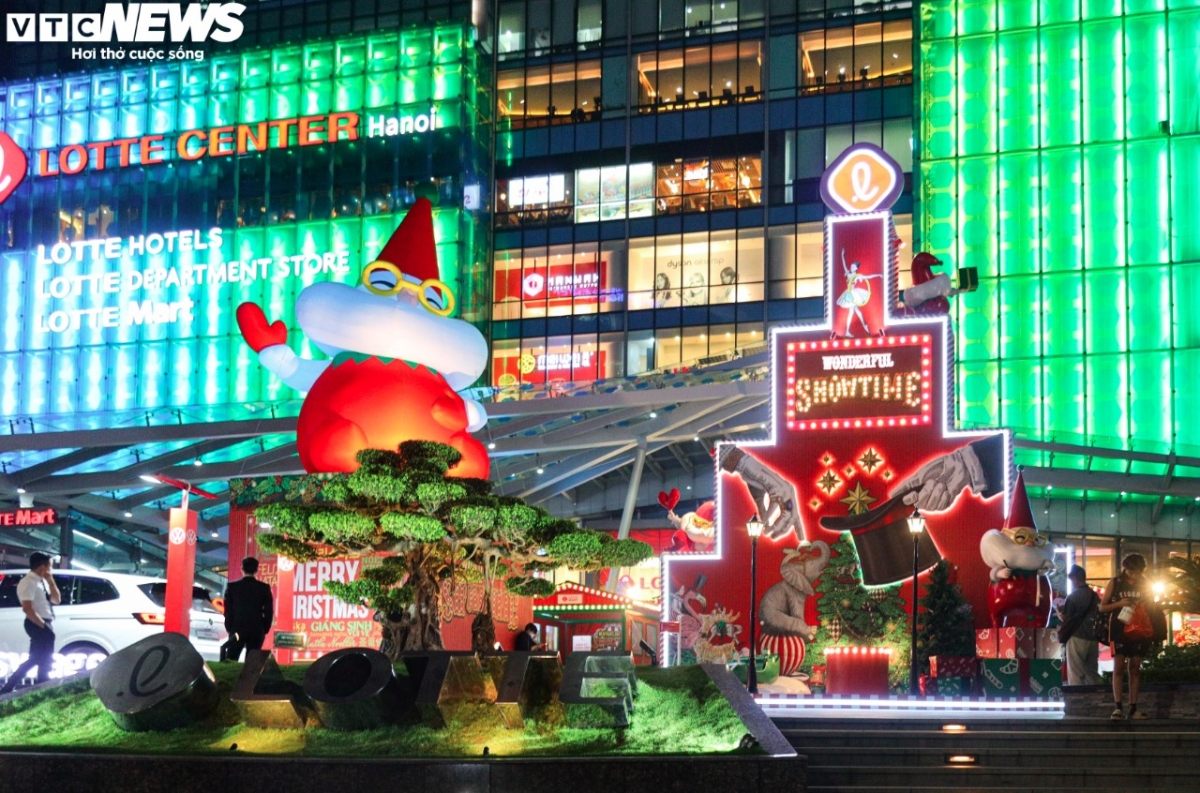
[257, 332]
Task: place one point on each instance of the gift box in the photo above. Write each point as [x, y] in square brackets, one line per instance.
[953, 686]
[985, 643]
[1048, 645]
[951, 666]
[927, 686]
[1000, 677]
[1045, 678]
[1015, 643]
[968, 279]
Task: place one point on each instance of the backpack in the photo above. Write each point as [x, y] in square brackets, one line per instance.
[1100, 623]
[1094, 625]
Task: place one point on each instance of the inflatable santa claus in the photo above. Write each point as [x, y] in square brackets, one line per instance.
[396, 358]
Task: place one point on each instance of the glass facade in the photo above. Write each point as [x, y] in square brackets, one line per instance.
[656, 199]
[161, 197]
[1058, 152]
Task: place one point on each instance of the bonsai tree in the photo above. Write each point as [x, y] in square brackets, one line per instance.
[435, 528]
[945, 623]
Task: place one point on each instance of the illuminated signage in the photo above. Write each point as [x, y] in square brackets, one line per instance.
[196, 263]
[843, 383]
[557, 361]
[132, 22]
[13, 165]
[101, 317]
[863, 178]
[224, 141]
[28, 517]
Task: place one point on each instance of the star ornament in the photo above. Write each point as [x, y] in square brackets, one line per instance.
[829, 482]
[870, 461]
[858, 499]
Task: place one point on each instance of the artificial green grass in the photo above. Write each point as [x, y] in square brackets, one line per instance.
[678, 711]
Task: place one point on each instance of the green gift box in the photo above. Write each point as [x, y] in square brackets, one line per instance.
[1000, 677]
[1045, 678]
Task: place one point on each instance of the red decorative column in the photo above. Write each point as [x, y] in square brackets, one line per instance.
[181, 570]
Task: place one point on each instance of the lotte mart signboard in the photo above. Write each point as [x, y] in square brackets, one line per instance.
[105, 313]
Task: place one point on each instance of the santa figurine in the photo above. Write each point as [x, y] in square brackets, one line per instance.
[695, 531]
[1019, 594]
[397, 359]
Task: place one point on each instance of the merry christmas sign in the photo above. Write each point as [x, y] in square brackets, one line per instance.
[862, 437]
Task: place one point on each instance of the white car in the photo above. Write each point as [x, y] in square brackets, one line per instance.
[101, 613]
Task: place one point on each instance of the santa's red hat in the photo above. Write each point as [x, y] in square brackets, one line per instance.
[411, 246]
[707, 511]
[1019, 512]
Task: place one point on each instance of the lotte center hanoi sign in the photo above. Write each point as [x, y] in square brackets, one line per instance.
[861, 437]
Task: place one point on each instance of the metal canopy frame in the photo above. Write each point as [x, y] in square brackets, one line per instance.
[580, 455]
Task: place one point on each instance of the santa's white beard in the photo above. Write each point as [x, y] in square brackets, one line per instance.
[337, 317]
[1000, 552]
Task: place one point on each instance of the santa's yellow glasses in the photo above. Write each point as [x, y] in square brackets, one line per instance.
[385, 279]
[1023, 536]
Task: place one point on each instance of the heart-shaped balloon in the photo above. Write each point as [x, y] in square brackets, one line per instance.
[669, 500]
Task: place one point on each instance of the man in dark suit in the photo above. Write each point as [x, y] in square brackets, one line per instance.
[249, 608]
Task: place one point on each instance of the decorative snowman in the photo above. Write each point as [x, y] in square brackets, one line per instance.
[396, 358]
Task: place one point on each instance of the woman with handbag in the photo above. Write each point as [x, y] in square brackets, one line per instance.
[1130, 631]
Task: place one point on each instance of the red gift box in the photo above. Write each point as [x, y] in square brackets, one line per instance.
[927, 686]
[985, 643]
[1048, 645]
[1015, 643]
[952, 666]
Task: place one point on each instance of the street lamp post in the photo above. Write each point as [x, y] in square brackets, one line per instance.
[916, 527]
[754, 527]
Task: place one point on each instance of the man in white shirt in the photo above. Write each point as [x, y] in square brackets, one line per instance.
[38, 595]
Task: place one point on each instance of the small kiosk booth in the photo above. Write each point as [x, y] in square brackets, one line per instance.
[578, 617]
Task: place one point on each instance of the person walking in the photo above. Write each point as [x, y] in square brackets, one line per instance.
[249, 608]
[1076, 633]
[38, 595]
[1126, 590]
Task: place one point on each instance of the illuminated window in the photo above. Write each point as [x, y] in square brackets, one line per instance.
[699, 76]
[870, 55]
[554, 94]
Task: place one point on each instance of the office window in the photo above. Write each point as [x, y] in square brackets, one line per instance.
[869, 55]
[558, 93]
[533, 200]
[698, 76]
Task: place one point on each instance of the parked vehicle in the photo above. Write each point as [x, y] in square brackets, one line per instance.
[101, 613]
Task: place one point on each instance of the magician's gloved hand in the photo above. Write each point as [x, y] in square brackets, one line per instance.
[937, 484]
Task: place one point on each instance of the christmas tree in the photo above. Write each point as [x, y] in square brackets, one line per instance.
[945, 624]
[851, 614]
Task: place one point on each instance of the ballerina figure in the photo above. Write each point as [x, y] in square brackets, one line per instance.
[857, 294]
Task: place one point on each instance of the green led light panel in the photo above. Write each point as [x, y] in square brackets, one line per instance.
[245, 177]
[1059, 153]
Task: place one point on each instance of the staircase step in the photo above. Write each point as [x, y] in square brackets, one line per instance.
[855, 777]
[1159, 760]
